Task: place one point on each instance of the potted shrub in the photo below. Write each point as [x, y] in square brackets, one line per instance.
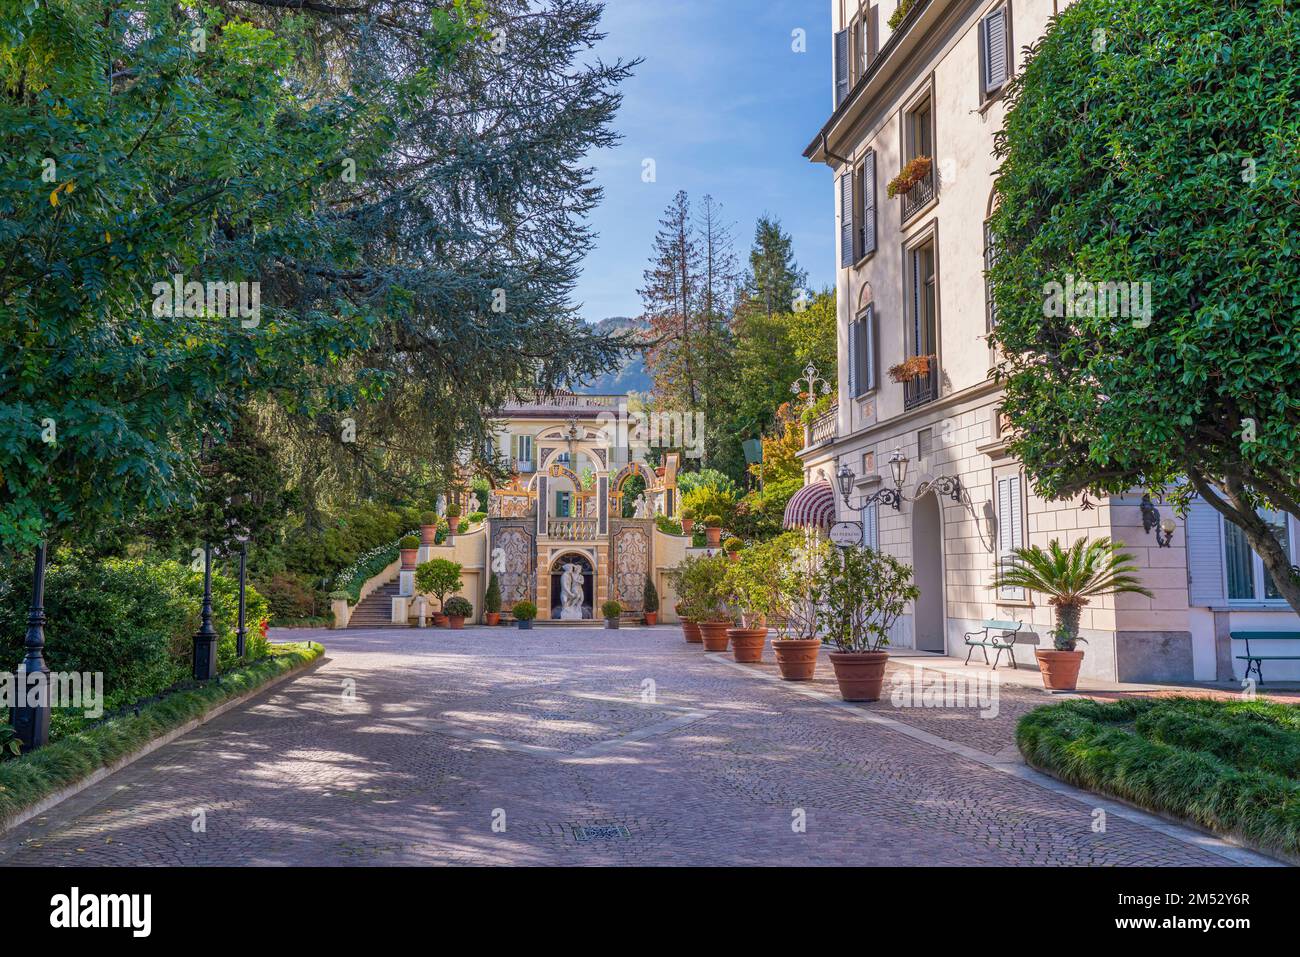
[913, 367]
[752, 585]
[1071, 577]
[688, 519]
[439, 577]
[524, 612]
[706, 597]
[732, 547]
[457, 610]
[428, 528]
[677, 578]
[650, 601]
[453, 520]
[611, 611]
[796, 560]
[713, 530]
[492, 601]
[410, 549]
[862, 592]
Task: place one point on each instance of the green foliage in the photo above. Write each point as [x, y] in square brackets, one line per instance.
[863, 592]
[1230, 766]
[10, 745]
[524, 610]
[492, 598]
[428, 518]
[438, 577]
[1071, 577]
[667, 525]
[900, 11]
[131, 619]
[1163, 155]
[713, 520]
[650, 596]
[477, 518]
[409, 542]
[701, 586]
[753, 582]
[732, 544]
[611, 609]
[688, 482]
[458, 607]
[289, 598]
[453, 511]
[62, 763]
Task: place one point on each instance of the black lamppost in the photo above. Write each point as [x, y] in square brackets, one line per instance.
[205, 639]
[243, 572]
[32, 721]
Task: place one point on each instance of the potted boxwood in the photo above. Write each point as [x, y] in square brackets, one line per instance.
[611, 611]
[732, 547]
[524, 612]
[457, 610]
[428, 528]
[439, 577]
[492, 601]
[713, 530]
[796, 560]
[650, 601]
[1071, 577]
[409, 546]
[688, 519]
[453, 520]
[862, 592]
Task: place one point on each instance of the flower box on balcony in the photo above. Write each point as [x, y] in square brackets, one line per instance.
[914, 367]
[916, 170]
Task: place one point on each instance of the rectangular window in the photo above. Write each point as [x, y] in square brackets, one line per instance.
[995, 52]
[524, 448]
[1009, 486]
[562, 505]
[990, 256]
[862, 353]
[924, 296]
[919, 131]
[871, 526]
[1247, 578]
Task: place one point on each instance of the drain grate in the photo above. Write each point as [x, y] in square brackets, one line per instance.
[601, 832]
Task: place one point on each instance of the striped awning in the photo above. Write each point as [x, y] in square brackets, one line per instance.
[813, 506]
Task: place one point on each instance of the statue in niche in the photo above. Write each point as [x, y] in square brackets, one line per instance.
[571, 595]
[642, 508]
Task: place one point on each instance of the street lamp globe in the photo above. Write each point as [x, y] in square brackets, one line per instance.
[898, 465]
[845, 478]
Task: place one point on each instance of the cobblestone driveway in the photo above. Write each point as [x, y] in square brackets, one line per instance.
[494, 746]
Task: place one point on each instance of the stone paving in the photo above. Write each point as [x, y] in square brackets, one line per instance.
[579, 746]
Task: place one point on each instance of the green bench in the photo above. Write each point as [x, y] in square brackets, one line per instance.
[984, 639]
[1253, 661]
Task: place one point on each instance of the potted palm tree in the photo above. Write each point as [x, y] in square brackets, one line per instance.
[492, 601]
[457, 610]
[1071, 577]
[796, 560]
[650, 601]
[862, 592]
[524, 612]
[611, 610]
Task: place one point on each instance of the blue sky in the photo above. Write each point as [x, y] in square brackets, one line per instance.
[724, 106]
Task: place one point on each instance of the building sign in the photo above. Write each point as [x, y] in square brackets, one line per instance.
[846, 534]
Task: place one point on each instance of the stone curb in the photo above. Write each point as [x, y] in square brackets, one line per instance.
[58, 797]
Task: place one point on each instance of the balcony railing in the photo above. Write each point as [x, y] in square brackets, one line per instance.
[922, 389]
[571, 529]
[822, 428]
[918, 195]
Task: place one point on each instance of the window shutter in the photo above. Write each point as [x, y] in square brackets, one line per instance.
[871, 335]
[854, 334]
[846, 219]
[1010, 528]
[841, 67]
[1204, 555]
[861, 357]
[990, 253]
[993, 30]
[869, 203]
[871, 526]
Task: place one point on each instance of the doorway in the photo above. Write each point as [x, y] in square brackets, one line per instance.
[928, 621]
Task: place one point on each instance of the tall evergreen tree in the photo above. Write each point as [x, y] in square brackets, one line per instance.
[671, 300]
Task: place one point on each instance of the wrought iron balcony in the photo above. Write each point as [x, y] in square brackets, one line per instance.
[918, 195]
[571, 529]
[922, 389]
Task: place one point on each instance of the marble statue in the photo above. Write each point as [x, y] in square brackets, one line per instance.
[571, 596]
[642, 508]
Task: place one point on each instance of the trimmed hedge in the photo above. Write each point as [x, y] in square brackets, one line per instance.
[1230, 766]
[33, 777]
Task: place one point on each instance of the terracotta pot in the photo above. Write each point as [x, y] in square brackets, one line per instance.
[652, 618]
[456, 621]
[687, 525]
[747, 644]
[734, 556]
[712, 536]
[861, 674]
[492, 617]
[439, 619]
[714, 635]
[409, 556]
[429, 534]
[797, 657]
[1060, 669]
[691, 630]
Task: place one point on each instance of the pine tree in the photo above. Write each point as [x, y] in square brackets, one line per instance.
[671, 298]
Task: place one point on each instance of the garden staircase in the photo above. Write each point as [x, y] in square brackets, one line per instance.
[376, 609]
